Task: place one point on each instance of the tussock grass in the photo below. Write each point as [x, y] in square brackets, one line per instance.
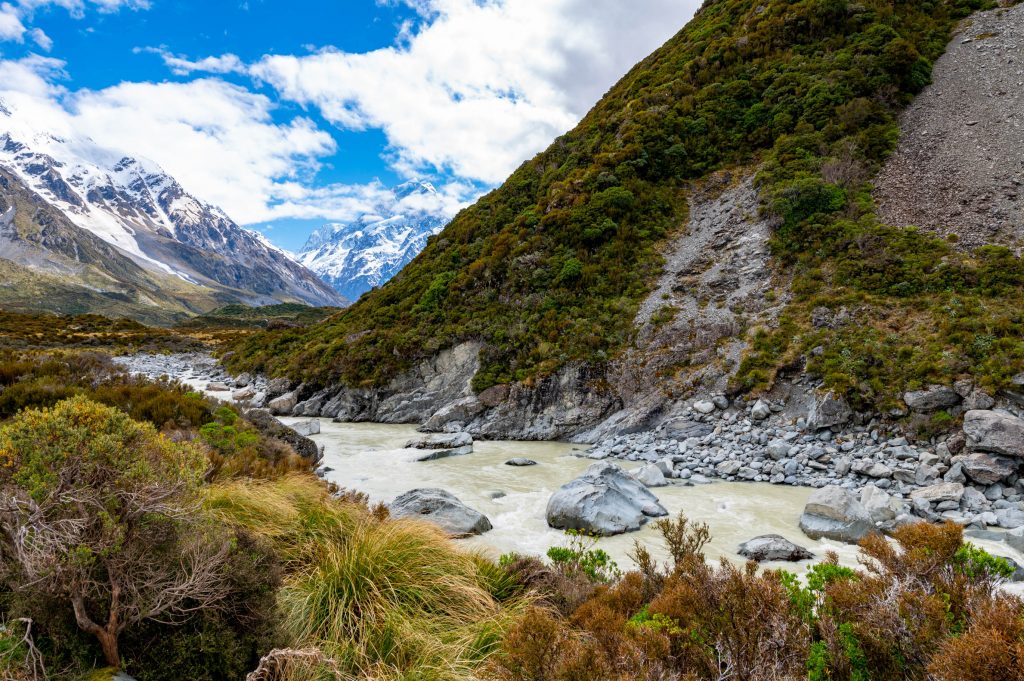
[383, 598]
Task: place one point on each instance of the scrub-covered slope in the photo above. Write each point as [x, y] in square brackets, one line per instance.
[549, 270]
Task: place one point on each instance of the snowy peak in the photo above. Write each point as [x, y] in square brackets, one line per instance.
[133, 205]
[366, 252]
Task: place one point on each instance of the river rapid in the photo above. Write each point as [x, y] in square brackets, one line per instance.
[370, 458]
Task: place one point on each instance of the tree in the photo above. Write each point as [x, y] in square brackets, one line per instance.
[102, 511]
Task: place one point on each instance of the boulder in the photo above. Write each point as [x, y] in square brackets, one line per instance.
[651, 476]
[704, 406]
[828, 410]
[932, 398]
[278, 386]
[778, 449]
[271, 427]
[435, 454]
[773, 547]
[944, 491]
[987, 469]
[243, 380]
[835, 513]
[605, 500]
[441, 441]
[520, 461]
[461, 411]
[284, 404]
[244, 395]
[878, 504]
[441, 508]
[682, 429]
[307, 428]
[1015, 539]
[1010, 518]
[760, 411]
[217, 387]
[996, 432]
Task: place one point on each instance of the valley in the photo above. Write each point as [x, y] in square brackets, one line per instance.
[727, 382]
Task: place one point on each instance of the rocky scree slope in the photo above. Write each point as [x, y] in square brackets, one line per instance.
[708, 227]
[192, 251]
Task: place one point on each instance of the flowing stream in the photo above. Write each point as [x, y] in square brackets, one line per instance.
[370, 458]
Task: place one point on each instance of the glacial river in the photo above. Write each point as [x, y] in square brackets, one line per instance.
[370, 458]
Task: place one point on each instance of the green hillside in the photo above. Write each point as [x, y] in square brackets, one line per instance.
[550, 267]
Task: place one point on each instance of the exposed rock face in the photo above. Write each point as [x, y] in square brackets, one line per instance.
[992, 431]
[441, 508]
[271, 427]
[771, 547]
[933, 398]
[829, 410]
[957, 169]
[307, 428]
[605, 500]
[987, 469]
[835, 513]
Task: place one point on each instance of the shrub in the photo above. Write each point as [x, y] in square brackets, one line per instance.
[97, 515]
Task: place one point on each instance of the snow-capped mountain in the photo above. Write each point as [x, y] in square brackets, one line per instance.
[357, 256]
[144, 214]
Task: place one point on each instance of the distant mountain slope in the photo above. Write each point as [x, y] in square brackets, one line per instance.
[540, 292]
[365, 253]
[72, 209]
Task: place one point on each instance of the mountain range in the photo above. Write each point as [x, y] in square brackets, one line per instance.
[363, 254]
[84, 228]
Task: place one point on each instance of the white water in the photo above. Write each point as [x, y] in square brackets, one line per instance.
[370, 458]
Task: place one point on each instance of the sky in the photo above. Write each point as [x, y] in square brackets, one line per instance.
[292, 113]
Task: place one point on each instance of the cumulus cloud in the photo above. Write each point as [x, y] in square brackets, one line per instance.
[182, 66]
[476, 88]
[469, 90]
[17, 16]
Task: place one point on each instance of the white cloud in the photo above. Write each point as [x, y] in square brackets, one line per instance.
[467, 93]
[11, 27]
[182, 66]
[17, 17]
[479, 87]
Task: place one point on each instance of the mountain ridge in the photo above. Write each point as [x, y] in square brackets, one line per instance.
[133, 206]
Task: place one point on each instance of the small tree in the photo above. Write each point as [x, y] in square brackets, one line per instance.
[102, 511]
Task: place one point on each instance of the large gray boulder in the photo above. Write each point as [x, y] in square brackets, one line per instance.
[773, 547]
[307, 428]
[605, 500]
[987, 469]
[441, 446]
[835, 513]
[461, 411]
[996, 432]
[932, 398]
[284, 404]
[441, 508]
[441, 441]
[943, 491]
[651, 476]
[829, 410]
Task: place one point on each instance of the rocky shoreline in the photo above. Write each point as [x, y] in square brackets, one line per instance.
[971, 477]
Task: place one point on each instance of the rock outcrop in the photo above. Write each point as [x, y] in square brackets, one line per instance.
[835, 513]
[604, 501]
[441, 508]
[771, 547]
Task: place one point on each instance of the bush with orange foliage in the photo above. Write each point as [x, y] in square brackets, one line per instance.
[925, 605]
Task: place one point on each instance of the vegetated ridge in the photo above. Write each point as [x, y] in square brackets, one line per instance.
[542, 280]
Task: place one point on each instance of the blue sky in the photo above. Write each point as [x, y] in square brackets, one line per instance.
[289, 114]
